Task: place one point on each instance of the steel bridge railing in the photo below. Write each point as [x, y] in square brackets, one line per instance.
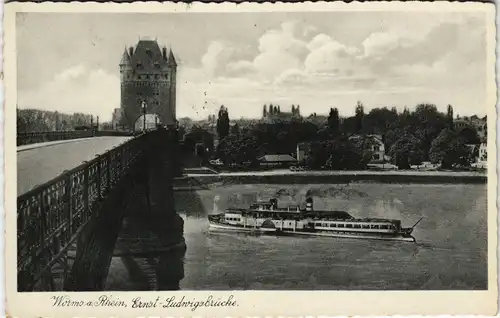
[27, 138]
[50, 217]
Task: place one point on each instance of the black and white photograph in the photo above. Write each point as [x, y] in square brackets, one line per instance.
[232, 150]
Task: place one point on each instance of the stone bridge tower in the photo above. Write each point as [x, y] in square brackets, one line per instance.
[148, 73]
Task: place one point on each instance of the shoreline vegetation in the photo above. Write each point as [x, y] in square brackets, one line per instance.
[383, 136]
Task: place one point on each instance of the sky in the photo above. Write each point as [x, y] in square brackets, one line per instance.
[69, 61]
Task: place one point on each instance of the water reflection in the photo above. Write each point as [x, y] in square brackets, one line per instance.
[150, 251]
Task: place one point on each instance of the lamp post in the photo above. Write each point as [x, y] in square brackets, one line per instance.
[144, 108]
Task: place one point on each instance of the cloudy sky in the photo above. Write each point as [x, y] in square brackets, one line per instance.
[69, 61]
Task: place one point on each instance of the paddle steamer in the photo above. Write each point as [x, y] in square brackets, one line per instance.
[267, 218]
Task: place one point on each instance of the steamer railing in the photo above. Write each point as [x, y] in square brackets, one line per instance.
[51, 216]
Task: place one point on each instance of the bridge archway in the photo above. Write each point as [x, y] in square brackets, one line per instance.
[151, 121]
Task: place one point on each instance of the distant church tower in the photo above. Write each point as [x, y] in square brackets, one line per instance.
[148, 74]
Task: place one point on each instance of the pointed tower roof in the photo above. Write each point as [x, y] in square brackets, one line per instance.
[171, 59]
[125, 58]
[148, 54]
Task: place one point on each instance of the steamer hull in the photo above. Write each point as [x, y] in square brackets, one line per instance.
[271, 220]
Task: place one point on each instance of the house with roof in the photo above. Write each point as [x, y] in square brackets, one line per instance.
[481, 152]
[477, 123]
[302, 148]
[279, 160]
[376, 146]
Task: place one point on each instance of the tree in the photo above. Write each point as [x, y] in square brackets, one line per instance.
[284, 142]
[339, 153]
[344, 155]
[293, 109]
[349, 125]
[271, 109]
[223, 122]
[378, 120]
[469, 136]
[363, 145]
[34, 120]
[449, 149]
[359, 114]
[279, 110]
[21, 123]
[316, 155]
[427, 123]
[235, 129]
[198, 135]
[264, 111]
[238, 149]
[333, 120]
[406, 112]
[449, 117]
[406, 151]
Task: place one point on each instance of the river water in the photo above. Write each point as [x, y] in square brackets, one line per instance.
[450, 253]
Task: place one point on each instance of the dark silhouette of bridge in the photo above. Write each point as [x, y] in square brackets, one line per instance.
[119, 203]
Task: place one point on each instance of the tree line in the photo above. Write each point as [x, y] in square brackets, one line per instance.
[35, 120]
[409, 138]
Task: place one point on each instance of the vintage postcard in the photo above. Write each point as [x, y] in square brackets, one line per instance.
[274, 159]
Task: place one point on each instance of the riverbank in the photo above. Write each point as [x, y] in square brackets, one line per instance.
[322, 177]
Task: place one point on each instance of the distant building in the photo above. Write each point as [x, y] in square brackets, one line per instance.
[148, 74]
[480, 152]
[478, 124]
[116, 118]
[483, 152]
[274, 113]
[302, 149]
[377, 147]
[185, 122]
[271, 161]
[318, 120]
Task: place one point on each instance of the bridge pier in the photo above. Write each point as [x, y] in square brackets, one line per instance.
[162, 168]
[151, 245]
[95, 243]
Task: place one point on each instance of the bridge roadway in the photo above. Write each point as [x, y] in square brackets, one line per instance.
[39, 163]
